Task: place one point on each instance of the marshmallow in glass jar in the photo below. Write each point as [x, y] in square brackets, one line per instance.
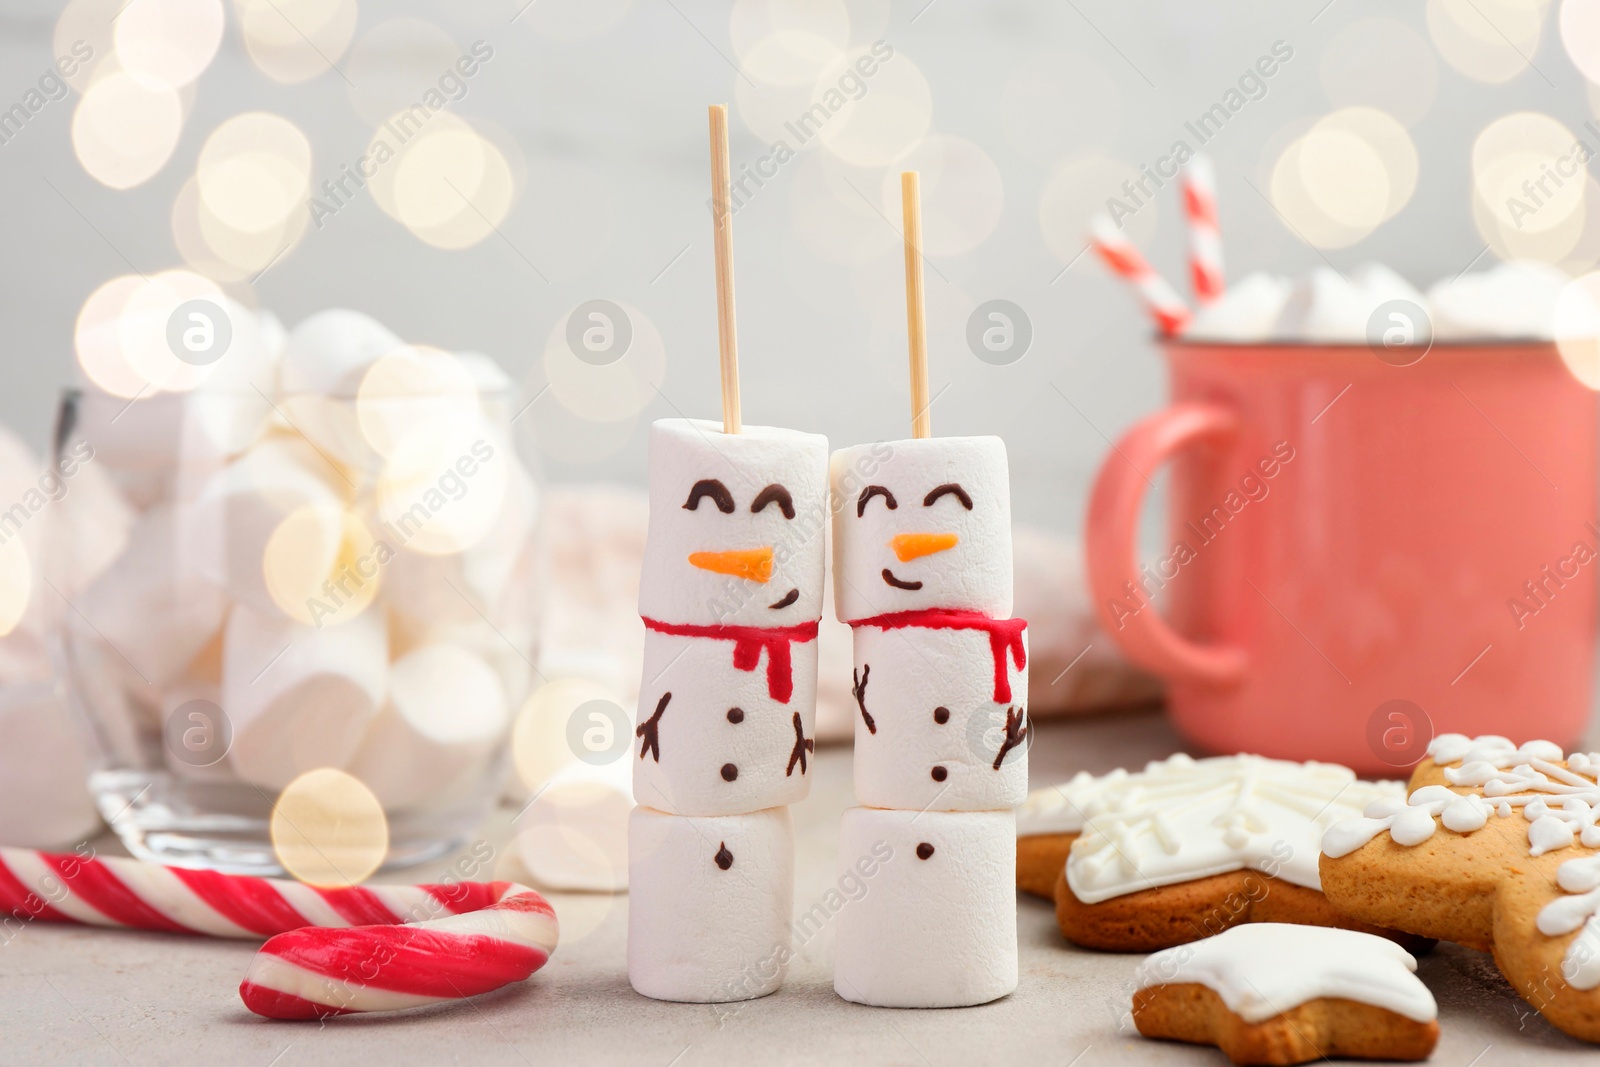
[337, 571]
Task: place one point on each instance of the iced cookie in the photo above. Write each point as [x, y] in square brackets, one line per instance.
[1188, 848]
[1048, 821]
[1496, 847]
[1276, 993]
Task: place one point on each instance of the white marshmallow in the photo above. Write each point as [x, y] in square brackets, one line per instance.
[698, 747]
[685, 452]
[507, 648]
[44, 770]
[226, 530]
[149, 605]
[910, 674]
[137, 440]
[1382, 284]
[939, 932]
[90, 527]
[445, 717]
[1246, 312]
[972, 575]
[299, 697]
[709, 913]
[324, 360]
[330, 351]
[1325, 308]
[494, 571]
[1516, 299]
[575, 835]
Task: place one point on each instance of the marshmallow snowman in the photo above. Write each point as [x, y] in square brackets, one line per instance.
[922, 573]
[731, 595]
[938, 927]
[736, 533]
[709, 904]
[731, 590]
[930, 733]
[922, 524]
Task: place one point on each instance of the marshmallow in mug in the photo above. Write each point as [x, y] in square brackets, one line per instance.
[736, 535]
[931, 730]
[937, 926]
[713, 739]
[1514, 300]
[710, 905]
[922, 524]
[299, 697]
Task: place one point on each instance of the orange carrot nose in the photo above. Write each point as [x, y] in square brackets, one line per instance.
[752, 563]
[916, 545]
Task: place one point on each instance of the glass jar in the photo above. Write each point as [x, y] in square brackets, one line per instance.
[281, 583]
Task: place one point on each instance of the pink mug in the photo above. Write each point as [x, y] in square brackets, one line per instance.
[1361, 555]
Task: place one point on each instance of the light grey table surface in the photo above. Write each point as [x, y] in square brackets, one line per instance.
[77, 995]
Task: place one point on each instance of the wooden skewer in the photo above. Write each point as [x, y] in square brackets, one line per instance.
[722, 242]
[916, 314]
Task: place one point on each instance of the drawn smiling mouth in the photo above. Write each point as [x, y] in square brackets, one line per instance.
[889, 577]
[788, 598]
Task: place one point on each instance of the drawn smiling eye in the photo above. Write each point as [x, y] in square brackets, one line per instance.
[871, 491]
[774, 494]
[710, 487]
[948, 489]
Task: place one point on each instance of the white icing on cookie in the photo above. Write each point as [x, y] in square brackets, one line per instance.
[1261, 970]
[1581, 964]
[1059, 809]
[1181, 819]
[1561, 806]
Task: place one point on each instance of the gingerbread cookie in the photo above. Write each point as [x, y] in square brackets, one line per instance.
[1188, 848]
[1283, 994]
[1048, 821]
[1497, 847]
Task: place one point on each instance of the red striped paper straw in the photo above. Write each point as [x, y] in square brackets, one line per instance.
[1127, 262]
[1199, 186]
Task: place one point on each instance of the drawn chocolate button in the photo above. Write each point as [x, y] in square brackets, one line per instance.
[729, 772]
[736, 715]
[924, 850]
[939, 774]
[725, 858]
[941, 715]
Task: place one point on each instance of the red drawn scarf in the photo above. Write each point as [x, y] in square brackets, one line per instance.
[748, 641]
[1004, 635]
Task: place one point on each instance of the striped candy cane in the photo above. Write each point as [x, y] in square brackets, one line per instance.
[329, 951]
[1126, 262]
[1205, 237]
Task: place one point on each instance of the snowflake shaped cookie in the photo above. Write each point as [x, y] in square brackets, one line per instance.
[1181, 819]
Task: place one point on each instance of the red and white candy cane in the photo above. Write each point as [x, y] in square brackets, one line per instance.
[1205, 237]
[1126, 262]
[330, 951]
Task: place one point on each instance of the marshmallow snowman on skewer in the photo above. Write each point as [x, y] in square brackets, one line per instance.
[922, 573]
[731, 594]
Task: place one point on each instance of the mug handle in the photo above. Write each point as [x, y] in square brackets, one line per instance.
[1112, 555]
